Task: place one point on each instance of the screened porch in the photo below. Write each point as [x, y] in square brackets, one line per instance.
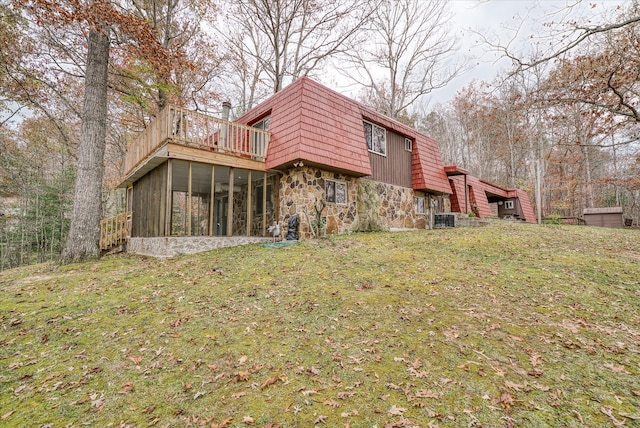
[186, 198]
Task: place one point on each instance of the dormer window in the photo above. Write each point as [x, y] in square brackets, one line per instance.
[376, 137]
[263, 124]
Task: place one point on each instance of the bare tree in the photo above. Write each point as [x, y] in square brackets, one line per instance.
[409, 53]
[276, 41]
[245, 78]
[599, 58]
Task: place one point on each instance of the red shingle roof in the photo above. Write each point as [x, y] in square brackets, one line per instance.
[480, 189]
[525, 204]
[313, 123]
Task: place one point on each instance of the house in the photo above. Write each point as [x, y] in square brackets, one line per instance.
[307, 151]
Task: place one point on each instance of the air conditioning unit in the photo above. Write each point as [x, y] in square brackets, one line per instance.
[444, 220]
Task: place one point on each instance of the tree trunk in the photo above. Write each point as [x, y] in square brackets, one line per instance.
[84, 232]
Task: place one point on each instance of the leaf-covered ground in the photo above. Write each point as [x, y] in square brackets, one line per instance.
[506, 325]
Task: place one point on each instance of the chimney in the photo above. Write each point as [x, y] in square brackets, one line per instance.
[226, 109]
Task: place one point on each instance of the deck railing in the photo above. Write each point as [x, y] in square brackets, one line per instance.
[115, 231]
[199, 130]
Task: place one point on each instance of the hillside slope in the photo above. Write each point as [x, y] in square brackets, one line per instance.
[509, 324]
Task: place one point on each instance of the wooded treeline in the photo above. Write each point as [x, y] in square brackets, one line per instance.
[563, 124]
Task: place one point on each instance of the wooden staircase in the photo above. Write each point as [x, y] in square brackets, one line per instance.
[115, 231]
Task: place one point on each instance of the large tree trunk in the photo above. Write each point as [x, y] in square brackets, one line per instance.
[84, 233]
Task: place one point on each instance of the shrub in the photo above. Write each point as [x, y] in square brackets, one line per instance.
[553, 219]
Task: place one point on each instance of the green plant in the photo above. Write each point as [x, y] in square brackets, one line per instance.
[553, 219]
[319, 222]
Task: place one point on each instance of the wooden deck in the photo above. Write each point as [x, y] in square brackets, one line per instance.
[196, 130]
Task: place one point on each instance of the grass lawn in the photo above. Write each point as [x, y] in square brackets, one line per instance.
[504, 325]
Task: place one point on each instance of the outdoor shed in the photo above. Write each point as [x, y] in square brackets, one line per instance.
[603, 217]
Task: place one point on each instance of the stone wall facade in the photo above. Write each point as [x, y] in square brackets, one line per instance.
[370, 205]
[385, 207]
[302, 192]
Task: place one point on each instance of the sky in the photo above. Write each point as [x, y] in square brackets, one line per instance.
[518, 22]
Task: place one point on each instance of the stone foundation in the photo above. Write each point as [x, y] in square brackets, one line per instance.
[162, 247]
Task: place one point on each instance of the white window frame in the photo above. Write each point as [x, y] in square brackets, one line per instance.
[378, 131]
[263, 123]
[332, 198]
[418, 207]
[408, 144]
[509, 205]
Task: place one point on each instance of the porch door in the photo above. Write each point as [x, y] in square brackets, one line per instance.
[221, 204]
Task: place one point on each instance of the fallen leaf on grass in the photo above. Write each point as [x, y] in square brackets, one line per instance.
[19, 390]
[99, 404]
[505, 399]
[514, 386]
[578, 415]
[270, 381]
[426, 393]
[609, 412]
[630, 416]
[6, 415]
[241, 376]
[616, 369]
[535, 372]
[224, 423]
[344, 395]
[308, 392]
[332, 403]
[248, 420]
[314, 371]
[126, 388]
[322, 419]
[135, 360]
[396, 411]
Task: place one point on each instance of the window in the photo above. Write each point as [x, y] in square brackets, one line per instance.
[335, 192]
[508, 205]
[258, 144]
[408, 144]
[419, 205]
[263, 124]
[259, 197]
[376, 137]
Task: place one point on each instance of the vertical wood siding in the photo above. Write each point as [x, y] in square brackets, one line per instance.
[149, 201]
[395, 168]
